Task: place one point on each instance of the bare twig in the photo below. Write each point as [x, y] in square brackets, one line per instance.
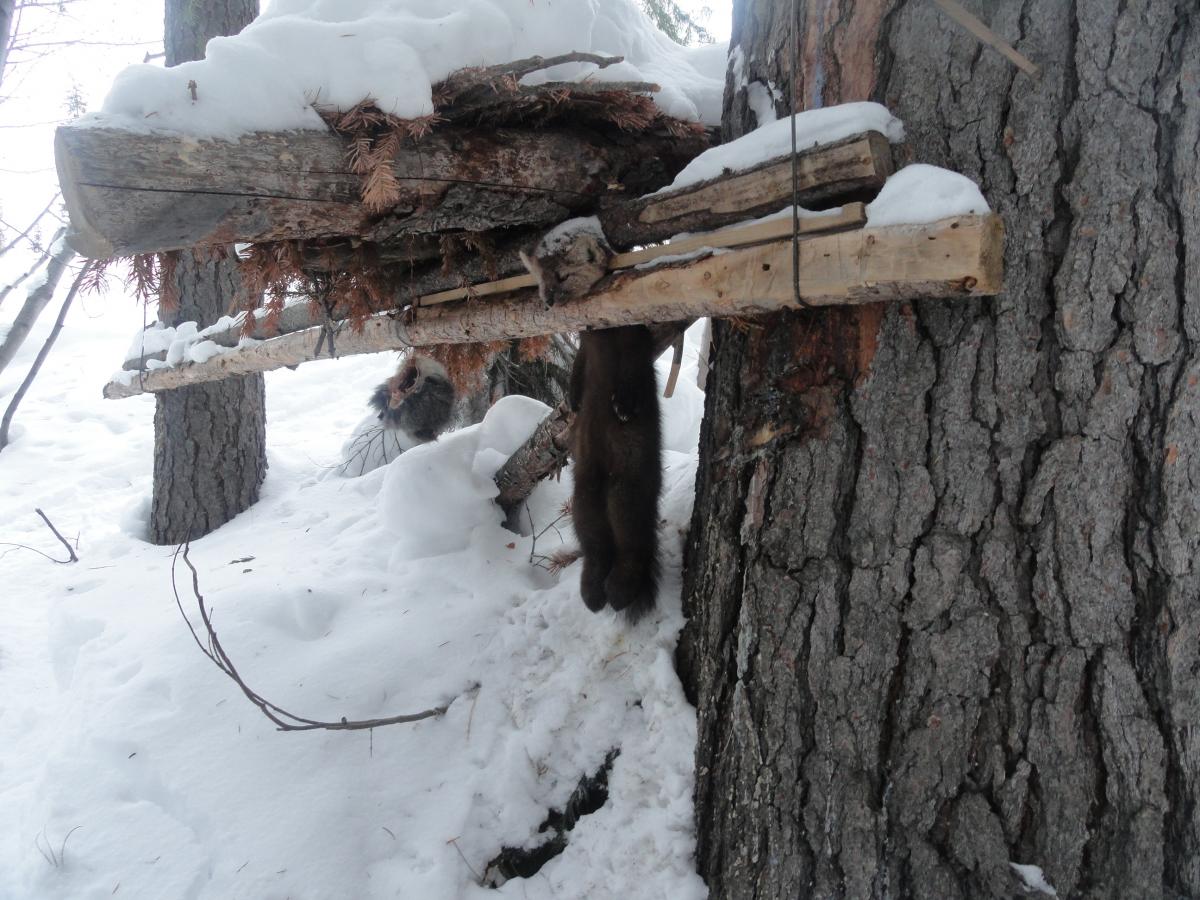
[284, 720]
[466, 862]
[519, 68]
[25, 234]
[50, 525]
[41, 357]
[972, 24]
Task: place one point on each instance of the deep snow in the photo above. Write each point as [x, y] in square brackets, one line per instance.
[354, 597]
[339, 52]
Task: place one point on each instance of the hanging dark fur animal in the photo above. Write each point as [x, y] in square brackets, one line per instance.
[618, 468]
[417, 400]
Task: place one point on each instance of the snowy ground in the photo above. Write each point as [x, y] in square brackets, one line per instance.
[337, 597]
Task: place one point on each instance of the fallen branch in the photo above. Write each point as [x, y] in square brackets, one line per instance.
[6, 423]
[284, 720]
[70, 550]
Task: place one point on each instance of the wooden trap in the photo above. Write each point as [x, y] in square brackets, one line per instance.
[151, 193]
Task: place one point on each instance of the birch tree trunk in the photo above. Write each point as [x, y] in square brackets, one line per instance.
[210, 439]
[8, 9]
[942, 577]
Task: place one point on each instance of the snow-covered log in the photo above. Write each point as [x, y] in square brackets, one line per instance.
[130, 193]
[952, 258]
[852, 168]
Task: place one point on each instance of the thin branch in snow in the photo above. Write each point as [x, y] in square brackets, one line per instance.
[284, 720]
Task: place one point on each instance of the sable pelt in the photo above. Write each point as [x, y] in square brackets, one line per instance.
[618, 468]
[417, 400]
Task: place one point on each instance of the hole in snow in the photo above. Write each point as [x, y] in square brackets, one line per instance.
[589, 795]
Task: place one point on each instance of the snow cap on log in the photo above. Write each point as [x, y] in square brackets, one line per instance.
[305, 52]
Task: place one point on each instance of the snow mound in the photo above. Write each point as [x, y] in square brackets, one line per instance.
[340, 52]
[813, 127]
[359, 597]
[921, 193]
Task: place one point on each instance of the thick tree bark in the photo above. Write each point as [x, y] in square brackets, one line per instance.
[942, 572]
[209, 440]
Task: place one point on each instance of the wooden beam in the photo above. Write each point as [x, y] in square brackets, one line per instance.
[130, 193]
[852, 215]
[853, 168]
[299, 316]
[953, 258]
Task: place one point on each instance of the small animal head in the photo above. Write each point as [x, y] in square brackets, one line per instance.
[418, 399]
[411, 378]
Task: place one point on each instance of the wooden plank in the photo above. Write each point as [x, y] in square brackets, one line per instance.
[852, 215]
[953, 258]
[853, 168]
[132, 193]
[299, 316]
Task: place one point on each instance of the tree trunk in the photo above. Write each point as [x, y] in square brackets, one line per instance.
[209, 440]
[941, 578]
[8, 10]
[37, 297]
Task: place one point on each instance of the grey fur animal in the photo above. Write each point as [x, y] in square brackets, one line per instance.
[569, 260]
[417, 400]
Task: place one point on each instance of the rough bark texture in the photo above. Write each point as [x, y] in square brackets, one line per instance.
[209, 440]
[942, 572]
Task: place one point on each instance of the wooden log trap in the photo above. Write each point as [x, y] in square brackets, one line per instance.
[421, 233]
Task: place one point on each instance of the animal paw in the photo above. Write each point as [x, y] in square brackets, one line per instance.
[631, 589]
[591, 585]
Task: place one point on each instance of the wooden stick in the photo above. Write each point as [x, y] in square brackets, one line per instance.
[956, 12]
[954, 258]
[852, 215]
[298, 317]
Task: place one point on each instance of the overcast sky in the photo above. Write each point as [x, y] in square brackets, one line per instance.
[81, 51]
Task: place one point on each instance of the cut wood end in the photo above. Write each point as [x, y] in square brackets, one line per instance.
[82, 236]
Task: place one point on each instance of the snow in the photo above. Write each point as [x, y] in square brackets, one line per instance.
[566, 232]
[340, 52]
[813, 127]
[335, 596]
[922, 193]
[762, 98]
[183, 343]
[1034, 879]
[673, 258]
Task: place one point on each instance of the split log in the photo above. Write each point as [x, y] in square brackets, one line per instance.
[953, 258]
[143, 193]
[853, 168]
